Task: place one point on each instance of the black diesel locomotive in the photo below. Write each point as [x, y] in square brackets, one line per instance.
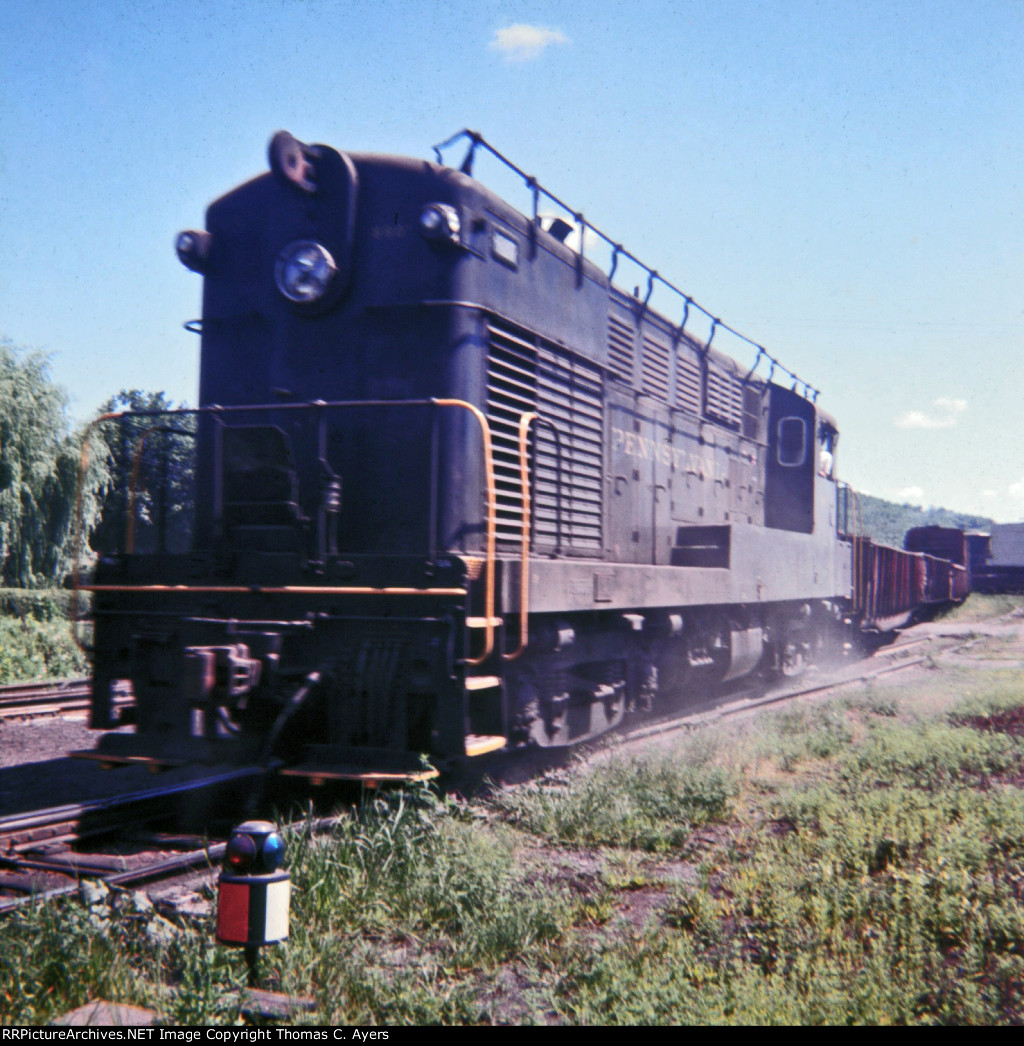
[457, 493]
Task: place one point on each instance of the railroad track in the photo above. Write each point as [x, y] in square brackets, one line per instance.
[54, 697]
[38, 861]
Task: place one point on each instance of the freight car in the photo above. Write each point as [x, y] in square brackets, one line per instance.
[457, 492]
[997, 559]
[943, 575]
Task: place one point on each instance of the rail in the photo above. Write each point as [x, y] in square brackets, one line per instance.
[73, 822]
[53, 697]
[476, 140]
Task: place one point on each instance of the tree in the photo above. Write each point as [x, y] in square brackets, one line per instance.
[149, 457]
[39, 458]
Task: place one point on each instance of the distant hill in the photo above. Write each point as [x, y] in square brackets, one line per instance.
[887, 522]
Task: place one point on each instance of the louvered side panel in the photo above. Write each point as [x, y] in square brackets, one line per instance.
[569, 492]
[620, 348]
[688, 383]
[511, 392]
[725, 400]
[752, 395]
[525, 373]
[654, 378]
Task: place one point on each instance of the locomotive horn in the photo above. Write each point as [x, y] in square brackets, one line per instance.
[292, 160]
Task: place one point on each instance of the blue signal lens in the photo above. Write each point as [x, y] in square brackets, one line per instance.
[272, 852]
[241, 852]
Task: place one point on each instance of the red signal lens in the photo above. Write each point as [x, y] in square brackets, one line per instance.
[241, 852]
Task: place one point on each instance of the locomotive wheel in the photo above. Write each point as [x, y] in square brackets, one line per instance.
[792, 662]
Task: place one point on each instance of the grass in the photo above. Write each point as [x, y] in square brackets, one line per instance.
[980, 607]
[859, 861]
[649, 803]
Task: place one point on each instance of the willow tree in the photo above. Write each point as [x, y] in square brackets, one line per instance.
[39, 456]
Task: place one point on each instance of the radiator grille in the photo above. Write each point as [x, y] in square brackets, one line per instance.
[725, 398]
[688, 382]
[526, 373]
[655, 368]
[620, 349]
[511, 392]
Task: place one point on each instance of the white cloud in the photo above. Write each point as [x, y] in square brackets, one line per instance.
[945, 415]
[914, 419]
[954, 406]
[1016, 490]
[524, 43]
[911, 494]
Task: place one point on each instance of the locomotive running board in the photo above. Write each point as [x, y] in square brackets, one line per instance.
[376, 767]
[109, 760]
[320, 775]
[482, 744]
[367, 766]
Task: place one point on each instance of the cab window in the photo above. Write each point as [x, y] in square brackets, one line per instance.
[791, 445]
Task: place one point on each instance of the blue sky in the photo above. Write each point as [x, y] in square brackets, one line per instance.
[840, 181]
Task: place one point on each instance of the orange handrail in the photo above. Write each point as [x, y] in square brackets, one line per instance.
[492, 525]
[525, 421]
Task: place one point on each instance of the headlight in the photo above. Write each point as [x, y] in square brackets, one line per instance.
[193, 249]
[440, 222]
[304, 271]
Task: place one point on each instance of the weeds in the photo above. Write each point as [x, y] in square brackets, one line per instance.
[981, 607]
[403, 872]
[650, 804]
[35, 636]
[31, 649]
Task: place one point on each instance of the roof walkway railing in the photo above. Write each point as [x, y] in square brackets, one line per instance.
[477, 141]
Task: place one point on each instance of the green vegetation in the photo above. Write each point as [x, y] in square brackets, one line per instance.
[887, 523]
[39, 458]
[652, 804]
[159, 485]
[855, 861]
[982, 607]
[40, 455]
[36, 640]
[35, 650]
